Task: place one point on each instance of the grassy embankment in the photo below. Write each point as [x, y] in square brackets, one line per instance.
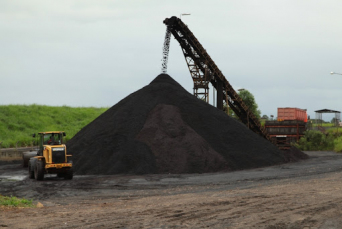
[19, 122]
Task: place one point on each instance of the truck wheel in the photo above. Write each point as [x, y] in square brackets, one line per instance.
[69, 174]
[39, 170]
[30, 171]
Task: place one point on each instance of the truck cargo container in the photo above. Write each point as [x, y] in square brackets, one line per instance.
[289, 113]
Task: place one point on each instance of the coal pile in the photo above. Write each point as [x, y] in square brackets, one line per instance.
[162, 128]
[294, 154]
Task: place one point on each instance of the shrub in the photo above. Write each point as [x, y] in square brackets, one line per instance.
[316, 140]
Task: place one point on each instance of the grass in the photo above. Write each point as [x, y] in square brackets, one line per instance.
[338, 144]
[19, 122]
[325, 124]
[336, 132]
[12, 201]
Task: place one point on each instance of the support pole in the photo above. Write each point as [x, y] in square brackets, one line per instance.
[219, 96]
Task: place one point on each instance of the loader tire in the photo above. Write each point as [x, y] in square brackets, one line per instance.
[39, 170]
[69, 174]
[30, 171]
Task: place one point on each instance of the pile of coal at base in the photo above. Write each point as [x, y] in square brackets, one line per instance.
[162, 128]
[294, 154]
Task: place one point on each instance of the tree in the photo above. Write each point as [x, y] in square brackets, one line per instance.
[249, 100]
[265, 117]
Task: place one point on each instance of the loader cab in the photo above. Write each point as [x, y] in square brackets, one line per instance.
[50, 138]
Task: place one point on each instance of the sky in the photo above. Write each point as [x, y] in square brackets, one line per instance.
[88, 53]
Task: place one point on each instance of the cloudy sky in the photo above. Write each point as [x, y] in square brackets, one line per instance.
[95, 53]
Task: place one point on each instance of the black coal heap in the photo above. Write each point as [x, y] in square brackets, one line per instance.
[162, 128]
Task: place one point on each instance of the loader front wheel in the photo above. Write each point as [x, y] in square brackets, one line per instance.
[69, 174]
[39, 170]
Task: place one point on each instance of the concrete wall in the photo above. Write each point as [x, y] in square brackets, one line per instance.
[10, 156]
[13, 154]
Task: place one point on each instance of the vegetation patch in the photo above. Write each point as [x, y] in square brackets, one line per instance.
[316, 141]
[12, 201]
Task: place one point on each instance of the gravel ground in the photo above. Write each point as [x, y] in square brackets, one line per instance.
[305, 194]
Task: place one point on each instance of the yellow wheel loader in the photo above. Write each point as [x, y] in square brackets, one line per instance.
[51, 158]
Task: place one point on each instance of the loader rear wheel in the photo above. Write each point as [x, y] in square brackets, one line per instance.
[30, 171]
[39, 170]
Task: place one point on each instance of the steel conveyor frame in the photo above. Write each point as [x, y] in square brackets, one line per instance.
[204, 71]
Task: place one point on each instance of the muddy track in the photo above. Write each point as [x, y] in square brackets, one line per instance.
[305, 194]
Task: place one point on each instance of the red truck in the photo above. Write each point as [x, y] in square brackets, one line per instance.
[289, 126]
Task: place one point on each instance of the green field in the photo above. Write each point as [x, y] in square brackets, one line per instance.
[19, 122]
[324, 124]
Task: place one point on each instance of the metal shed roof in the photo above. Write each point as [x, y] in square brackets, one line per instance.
[327, 111]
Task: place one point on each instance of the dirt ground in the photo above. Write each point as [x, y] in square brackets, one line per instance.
[305, 194]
